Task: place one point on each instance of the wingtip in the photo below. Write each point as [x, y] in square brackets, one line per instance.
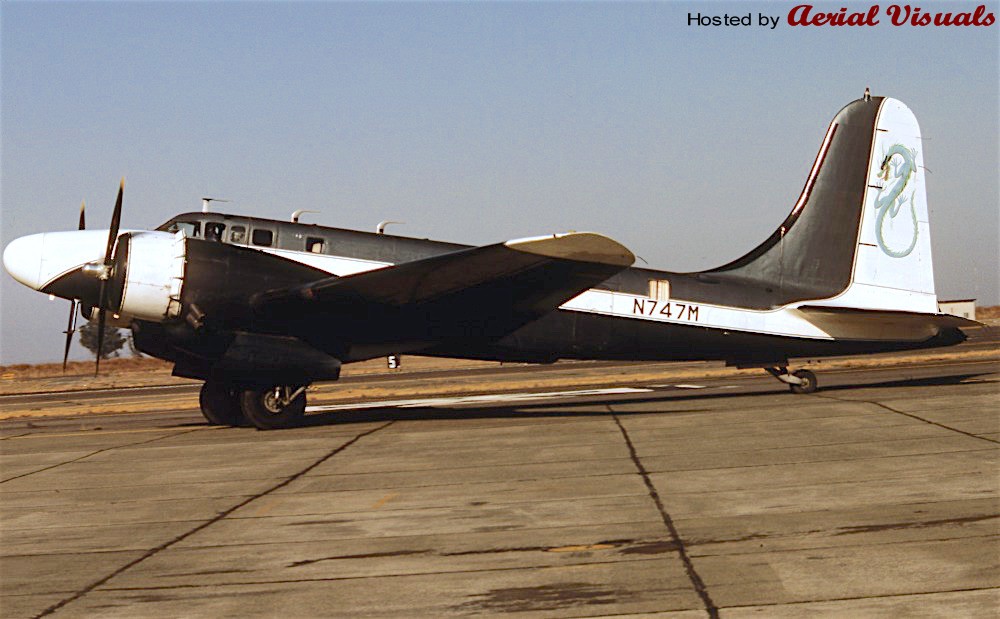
[578, 246]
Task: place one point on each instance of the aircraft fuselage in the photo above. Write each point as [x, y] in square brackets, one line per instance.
[632, 315]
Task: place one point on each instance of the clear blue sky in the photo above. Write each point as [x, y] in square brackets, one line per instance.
[473, 122]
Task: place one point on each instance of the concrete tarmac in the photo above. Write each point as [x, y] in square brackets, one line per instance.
[877, 496]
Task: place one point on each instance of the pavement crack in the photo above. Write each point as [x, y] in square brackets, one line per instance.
[919, 524]
[367, 555]
[363, 577]
[912, 416]
[94, 453]
[692, 573]
[221, 515]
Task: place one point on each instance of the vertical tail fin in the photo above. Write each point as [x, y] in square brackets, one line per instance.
[858, 235]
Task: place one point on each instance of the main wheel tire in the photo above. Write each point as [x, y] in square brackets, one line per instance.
[808, 384]
[220, 404]
[263, 409]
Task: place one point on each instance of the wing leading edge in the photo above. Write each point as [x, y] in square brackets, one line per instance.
[475, 294]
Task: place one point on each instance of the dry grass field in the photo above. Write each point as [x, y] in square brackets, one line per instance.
[992, 311]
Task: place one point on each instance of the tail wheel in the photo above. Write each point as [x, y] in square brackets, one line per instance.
[220, 404]
[274, 407]
[808, 384]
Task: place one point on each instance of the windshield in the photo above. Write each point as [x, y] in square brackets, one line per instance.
[189, 228]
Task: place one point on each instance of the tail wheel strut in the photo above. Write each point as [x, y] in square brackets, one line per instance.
[800, 381]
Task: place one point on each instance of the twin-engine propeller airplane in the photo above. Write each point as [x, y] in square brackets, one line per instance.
[259, 309]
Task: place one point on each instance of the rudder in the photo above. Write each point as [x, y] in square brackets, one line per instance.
[893, 268]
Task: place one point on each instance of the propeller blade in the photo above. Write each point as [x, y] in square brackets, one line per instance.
[116, 218]
[75, 303]
[102, 299]
[70, 329]
[101, 318]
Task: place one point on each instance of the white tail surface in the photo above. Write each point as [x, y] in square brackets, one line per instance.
[892, 267]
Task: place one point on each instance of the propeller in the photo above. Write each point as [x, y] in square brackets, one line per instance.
[71, 324]
[102, 299]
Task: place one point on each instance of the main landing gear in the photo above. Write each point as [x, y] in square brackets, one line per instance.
[268, 407]
[220, 404]
[800, 381]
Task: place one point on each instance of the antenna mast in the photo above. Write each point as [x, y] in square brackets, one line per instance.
[205, 201]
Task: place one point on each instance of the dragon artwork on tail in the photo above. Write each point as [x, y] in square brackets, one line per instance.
[897, 171]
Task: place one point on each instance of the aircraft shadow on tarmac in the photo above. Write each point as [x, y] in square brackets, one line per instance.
[504, 410]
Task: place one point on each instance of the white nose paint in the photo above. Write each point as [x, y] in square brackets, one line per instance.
[23, 259]
[39, 259]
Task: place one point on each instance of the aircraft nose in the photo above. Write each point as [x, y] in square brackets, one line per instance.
[23, 259]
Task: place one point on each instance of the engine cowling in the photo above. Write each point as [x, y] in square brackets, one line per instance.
[148, 275]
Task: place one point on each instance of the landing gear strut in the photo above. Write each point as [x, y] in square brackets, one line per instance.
[800, 381]
[273, 406]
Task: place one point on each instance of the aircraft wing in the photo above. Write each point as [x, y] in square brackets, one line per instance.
[479, 293]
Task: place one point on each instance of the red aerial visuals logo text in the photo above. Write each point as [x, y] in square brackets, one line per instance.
[899, 15]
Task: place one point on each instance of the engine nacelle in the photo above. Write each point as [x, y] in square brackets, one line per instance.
[148, 275]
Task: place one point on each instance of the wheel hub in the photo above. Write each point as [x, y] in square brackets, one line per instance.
[277, 398]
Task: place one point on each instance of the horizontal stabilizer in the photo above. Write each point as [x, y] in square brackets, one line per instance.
[866, 324]
[576, 246]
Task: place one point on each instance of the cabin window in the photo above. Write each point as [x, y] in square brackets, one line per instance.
[238, 234]
[659, 289]
[214, 231]
[262, 237]
[314, 245]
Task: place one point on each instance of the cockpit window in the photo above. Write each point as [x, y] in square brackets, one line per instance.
[314, 245]
[214, 231]
[189, 228]
[238, 234]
